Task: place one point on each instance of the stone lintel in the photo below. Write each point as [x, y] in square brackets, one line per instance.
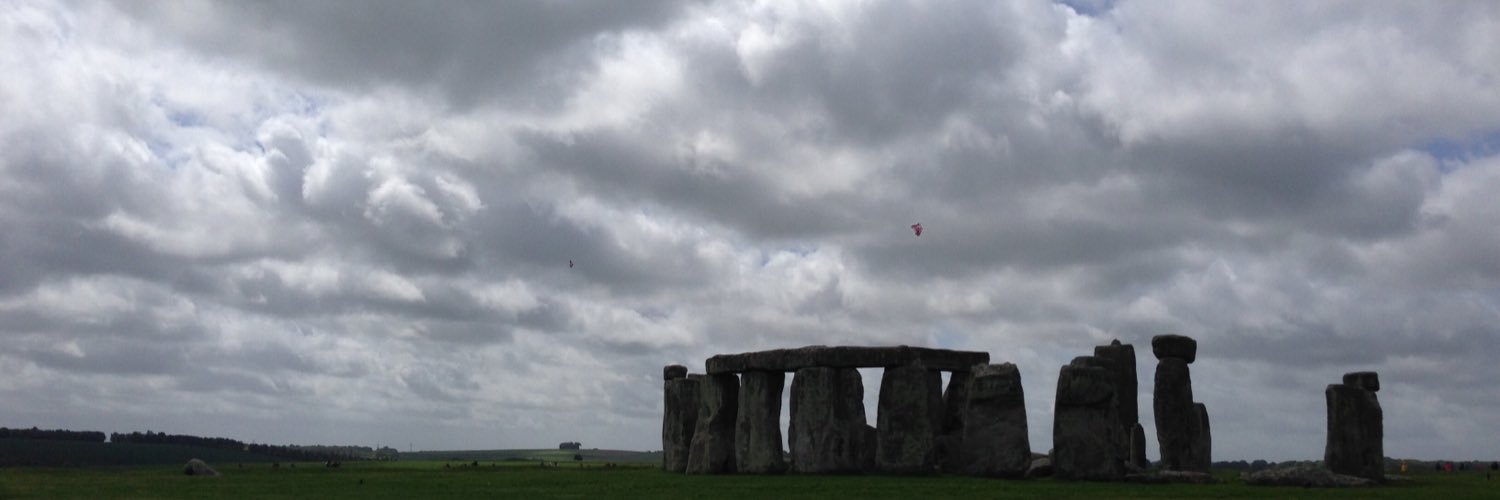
[787, 360]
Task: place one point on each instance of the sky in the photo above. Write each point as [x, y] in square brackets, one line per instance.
[352, 222]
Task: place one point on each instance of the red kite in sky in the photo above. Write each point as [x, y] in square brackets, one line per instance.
[917, 228]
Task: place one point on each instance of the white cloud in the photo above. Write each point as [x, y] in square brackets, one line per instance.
[227, 210]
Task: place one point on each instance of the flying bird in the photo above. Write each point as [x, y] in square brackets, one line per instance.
[917, 228]
[570, 263]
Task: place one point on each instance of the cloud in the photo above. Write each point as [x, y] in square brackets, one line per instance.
[260, 213]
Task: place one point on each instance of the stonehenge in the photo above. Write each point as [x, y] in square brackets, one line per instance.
[727, 420]
[1356, 432]
[1181, 425]
[736, 427]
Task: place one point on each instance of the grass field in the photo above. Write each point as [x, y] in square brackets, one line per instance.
[430, 479]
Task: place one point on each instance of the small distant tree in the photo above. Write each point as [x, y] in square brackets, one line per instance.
[577, 457]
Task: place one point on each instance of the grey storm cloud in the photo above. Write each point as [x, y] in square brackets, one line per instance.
[276, 221]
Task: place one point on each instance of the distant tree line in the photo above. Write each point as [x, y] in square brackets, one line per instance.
[570, 445]
[52, 434]
[294, 452]
[1253, 466]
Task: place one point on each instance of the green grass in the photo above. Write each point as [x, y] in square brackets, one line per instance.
[429, 479]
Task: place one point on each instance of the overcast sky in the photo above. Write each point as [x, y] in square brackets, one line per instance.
[351, 222]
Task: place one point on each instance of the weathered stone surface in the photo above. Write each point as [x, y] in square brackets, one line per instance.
[1356, 432]
[712, 451]
[1175, 416]
[196, 467]
[1171, 476]
[1098, 388]
[951, 435]
[910, 413]
[1201, 443]
[1085, 426]
[1138, 447]
[673, 372]
[868, 436]
[828, 433]
[787, 360]
[1369, 381]
[1303, 476]
[679, 421]
[1040, 467]
[1122, 357]
[995, 439]
[1174, 346]
[757, 430]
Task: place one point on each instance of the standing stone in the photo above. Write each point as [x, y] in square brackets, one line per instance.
[1356, 431]
[1201, 459]
[1138, 447]
[757, 430]
[909, 417]
[712, 451]
[1122, 358]
[1175, 417]
[679, 420]
[995, 439]
[1178, 422]
[1085, 425]
[828, 431]
[951, 436]
[673, 372]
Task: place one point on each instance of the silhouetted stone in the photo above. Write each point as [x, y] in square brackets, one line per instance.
[712, 451]
[1175, 417]
[196, 467]
[1138, 447]
[679, 421]
[908, 420]
[1174, 346]
[787, 360]
[673, 372]
[1369, 381]
[828, 431]
[757, 431]
[1356, 432]
[1171, 476]
[950, 437]
[1303, 476]
[1085, 426]
[1040, 467]
[995, 439]
[1122, 358]
[1201, 441]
